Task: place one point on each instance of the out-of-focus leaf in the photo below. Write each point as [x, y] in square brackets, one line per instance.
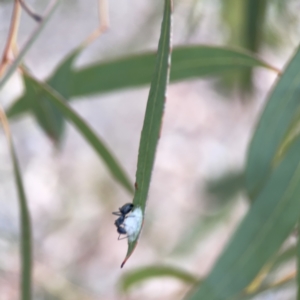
[47, 115]
[279, 113]
[244, 20]
[98, 145]
[25, 223]
[254, 16]
[61, 78]
[136, 276]
[30, 42]
[269, 221]
[227, 186]
[201, 228]
[187, 63]
[255, 13]
[153, 120]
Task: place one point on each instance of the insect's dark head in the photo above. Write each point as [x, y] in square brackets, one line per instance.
[126, 208]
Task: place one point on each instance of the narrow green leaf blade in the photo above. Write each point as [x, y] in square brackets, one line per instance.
[254, 19]
[269, 221]
[187, 62]
[139, 275]
[98, 145]
[25, 223]
[153, 120]
[280, 110]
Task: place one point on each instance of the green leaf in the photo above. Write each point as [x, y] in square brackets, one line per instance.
[47, 115]
[136, 276]
[269, 221]
[25, 223]
[153, 120]
[187, 63]
[98, 145]
[254, 19]
[135, 71]
[29, 43]
[255, 14]
[281, 109]
[62, 76]
[227, 186]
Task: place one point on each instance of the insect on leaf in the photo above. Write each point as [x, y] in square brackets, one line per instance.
[152, 124]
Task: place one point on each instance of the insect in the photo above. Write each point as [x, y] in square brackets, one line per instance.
[119, 223]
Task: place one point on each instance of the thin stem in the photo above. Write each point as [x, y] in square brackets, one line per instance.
[50, 10]
[103, 23]
[30, 12]
[12, 36]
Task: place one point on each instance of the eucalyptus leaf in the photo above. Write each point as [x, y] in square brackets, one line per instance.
[152, 122]
[281, 109]
[188, 62]
[265, 227]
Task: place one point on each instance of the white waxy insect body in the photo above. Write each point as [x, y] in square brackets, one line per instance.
[133, 224]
